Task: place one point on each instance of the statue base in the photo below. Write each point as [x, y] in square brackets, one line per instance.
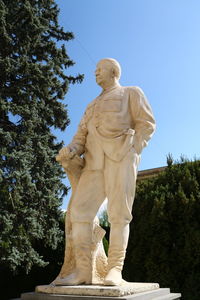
[126, 291]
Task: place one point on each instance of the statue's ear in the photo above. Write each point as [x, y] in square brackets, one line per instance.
[113, 72]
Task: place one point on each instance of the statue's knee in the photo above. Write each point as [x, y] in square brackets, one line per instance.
[74, 214]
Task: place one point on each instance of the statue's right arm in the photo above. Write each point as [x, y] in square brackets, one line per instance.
[78, 142]
[77, 145]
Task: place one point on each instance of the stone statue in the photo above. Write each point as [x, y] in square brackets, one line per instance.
[101, 162]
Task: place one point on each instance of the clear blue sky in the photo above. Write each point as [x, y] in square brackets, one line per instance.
[158, 46]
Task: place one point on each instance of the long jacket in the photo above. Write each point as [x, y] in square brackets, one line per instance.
[116, 121]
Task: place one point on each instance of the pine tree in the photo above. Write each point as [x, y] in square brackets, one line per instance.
[33, 82]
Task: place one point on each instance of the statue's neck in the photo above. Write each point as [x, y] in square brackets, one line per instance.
[111, 85]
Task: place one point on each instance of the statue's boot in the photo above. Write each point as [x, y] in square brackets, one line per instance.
[82, 240]
[119, 235]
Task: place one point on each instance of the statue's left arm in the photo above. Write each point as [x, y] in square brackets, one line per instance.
[143, 119]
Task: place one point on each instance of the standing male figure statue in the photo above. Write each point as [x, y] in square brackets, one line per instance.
[115, 128]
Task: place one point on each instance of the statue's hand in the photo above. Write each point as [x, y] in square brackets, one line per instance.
[66, 153]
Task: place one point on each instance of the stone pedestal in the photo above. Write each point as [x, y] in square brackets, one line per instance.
[127, 291]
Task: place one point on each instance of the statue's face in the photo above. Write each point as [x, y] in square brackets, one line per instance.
[103, 73]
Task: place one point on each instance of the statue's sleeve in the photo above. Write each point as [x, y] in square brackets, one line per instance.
[143, 119]
[79, 139]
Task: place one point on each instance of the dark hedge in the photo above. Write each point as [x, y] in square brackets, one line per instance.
[164, 244]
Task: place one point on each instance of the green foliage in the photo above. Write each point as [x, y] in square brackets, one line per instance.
[22, 282]
[103, 219]
[32, 84]
[105, 245]
[165, 242]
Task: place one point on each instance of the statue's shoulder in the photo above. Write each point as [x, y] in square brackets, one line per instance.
[134, 90]
[91, 104]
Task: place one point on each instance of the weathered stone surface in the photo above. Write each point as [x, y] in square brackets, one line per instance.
[101, 162]
[157, 294]
[98, 290]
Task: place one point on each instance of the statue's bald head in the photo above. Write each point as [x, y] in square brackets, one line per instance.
[113, 64]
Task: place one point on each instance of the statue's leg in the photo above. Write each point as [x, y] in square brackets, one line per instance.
[89, 195]
[87, 199]
[120, 181]
[82, 237]
[119, 235]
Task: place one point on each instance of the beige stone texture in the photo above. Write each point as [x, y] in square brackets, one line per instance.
[126, 288]
[101, 162]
